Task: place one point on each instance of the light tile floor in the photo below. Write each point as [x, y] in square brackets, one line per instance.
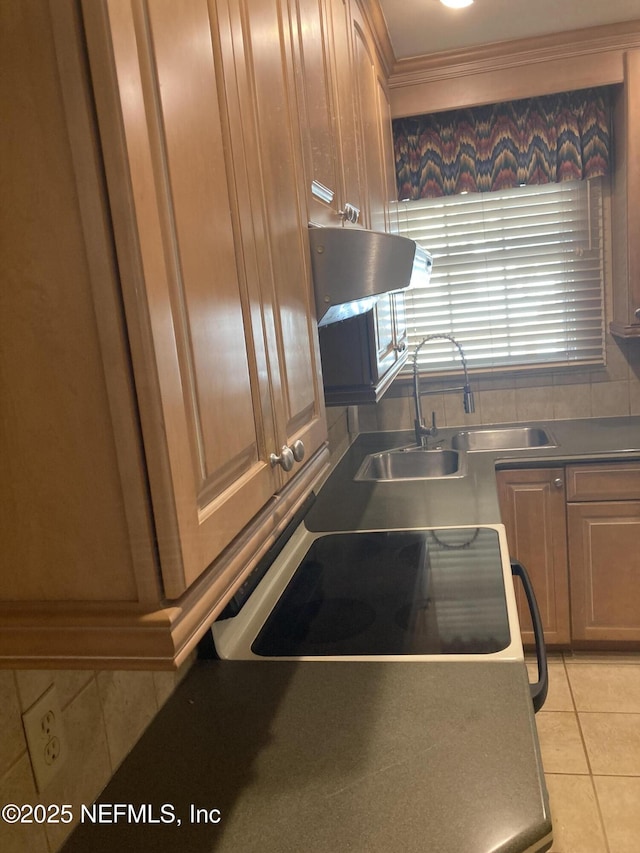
[589, 732]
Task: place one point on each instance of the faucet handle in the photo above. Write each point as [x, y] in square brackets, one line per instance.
[469, 403]
[434, 425]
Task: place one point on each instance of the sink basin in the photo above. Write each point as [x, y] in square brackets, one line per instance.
[411, 464]
[502, 438]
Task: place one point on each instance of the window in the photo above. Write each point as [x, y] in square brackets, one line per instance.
[517, 276]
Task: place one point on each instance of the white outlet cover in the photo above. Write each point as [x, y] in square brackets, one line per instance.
[42, 724]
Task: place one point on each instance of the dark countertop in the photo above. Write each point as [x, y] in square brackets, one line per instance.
[323, 756]
[337, 756]
[346, 504]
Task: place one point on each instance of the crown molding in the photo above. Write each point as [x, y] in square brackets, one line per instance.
[373, 15]
[518, 52]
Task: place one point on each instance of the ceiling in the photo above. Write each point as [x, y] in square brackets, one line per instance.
[419, 27]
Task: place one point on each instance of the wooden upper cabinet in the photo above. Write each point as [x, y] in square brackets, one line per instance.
[314, 66]
[217, 298]
[262, 103]
[365, 78]
[197, 361]
[625, 210]
[346, 99]
[74, 524]
[389, 184]
[374, 129]
[345, 114]
[400, 321]
[321, 31]
[161, 348]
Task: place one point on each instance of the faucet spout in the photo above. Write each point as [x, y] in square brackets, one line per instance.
[422, 432]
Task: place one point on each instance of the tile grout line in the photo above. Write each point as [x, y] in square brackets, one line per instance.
[586, 753]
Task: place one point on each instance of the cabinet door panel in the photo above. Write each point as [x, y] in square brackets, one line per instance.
[400, 320]
[387, 160]
[383, 334]
[533, 511]
[205, 284]
[274, 150]
[313, 51]
[185, 294]
[374, 128]
[369, 131]
[625, 211]
[605, 570]
[74, 522]
[346, 100]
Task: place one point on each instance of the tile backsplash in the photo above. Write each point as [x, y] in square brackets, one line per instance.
[607, 391]
[338, 428]
[104, 714]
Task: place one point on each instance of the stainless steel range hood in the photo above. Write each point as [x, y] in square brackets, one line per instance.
[353, 267]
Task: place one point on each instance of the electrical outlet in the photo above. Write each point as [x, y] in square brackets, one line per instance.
[45, 737]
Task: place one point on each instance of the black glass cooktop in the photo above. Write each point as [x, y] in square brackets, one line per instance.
[400, 592]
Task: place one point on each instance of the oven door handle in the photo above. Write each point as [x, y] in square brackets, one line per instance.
[539, 689]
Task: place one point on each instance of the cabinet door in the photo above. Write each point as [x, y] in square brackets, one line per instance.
[198, 350]
[400, 321]
[346, 100]
[262, 97]
[314, 66]
[366, 82]
[532, 505]
[625, 211]
[389, 334]
[605, 570]
[326, 97]
[383, 352]
[387, 159]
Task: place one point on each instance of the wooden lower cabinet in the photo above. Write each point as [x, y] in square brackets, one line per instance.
[605, 570]
[576, 530]
[532, 505]
[604, 530]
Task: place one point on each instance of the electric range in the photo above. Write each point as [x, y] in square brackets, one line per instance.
[410, 594]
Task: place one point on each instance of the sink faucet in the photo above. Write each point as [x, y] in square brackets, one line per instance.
[423, 432]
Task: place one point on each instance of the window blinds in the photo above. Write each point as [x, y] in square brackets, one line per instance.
[517, 276]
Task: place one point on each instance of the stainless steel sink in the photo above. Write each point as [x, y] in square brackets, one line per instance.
[502, 438]
[411, 464]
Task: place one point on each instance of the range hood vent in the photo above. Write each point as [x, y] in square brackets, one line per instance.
[352, 267]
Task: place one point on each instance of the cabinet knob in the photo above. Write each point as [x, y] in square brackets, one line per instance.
[558, 482]
[401, 347]
[297, 448]
[637, 313]
[285, 459]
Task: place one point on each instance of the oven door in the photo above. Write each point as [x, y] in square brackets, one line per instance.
[419, 594]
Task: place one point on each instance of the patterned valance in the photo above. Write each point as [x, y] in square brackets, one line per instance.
[531, 141]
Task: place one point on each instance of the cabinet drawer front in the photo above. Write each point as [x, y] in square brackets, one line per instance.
[617, 481]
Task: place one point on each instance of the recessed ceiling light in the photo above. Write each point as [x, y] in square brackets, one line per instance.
[456, 4]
